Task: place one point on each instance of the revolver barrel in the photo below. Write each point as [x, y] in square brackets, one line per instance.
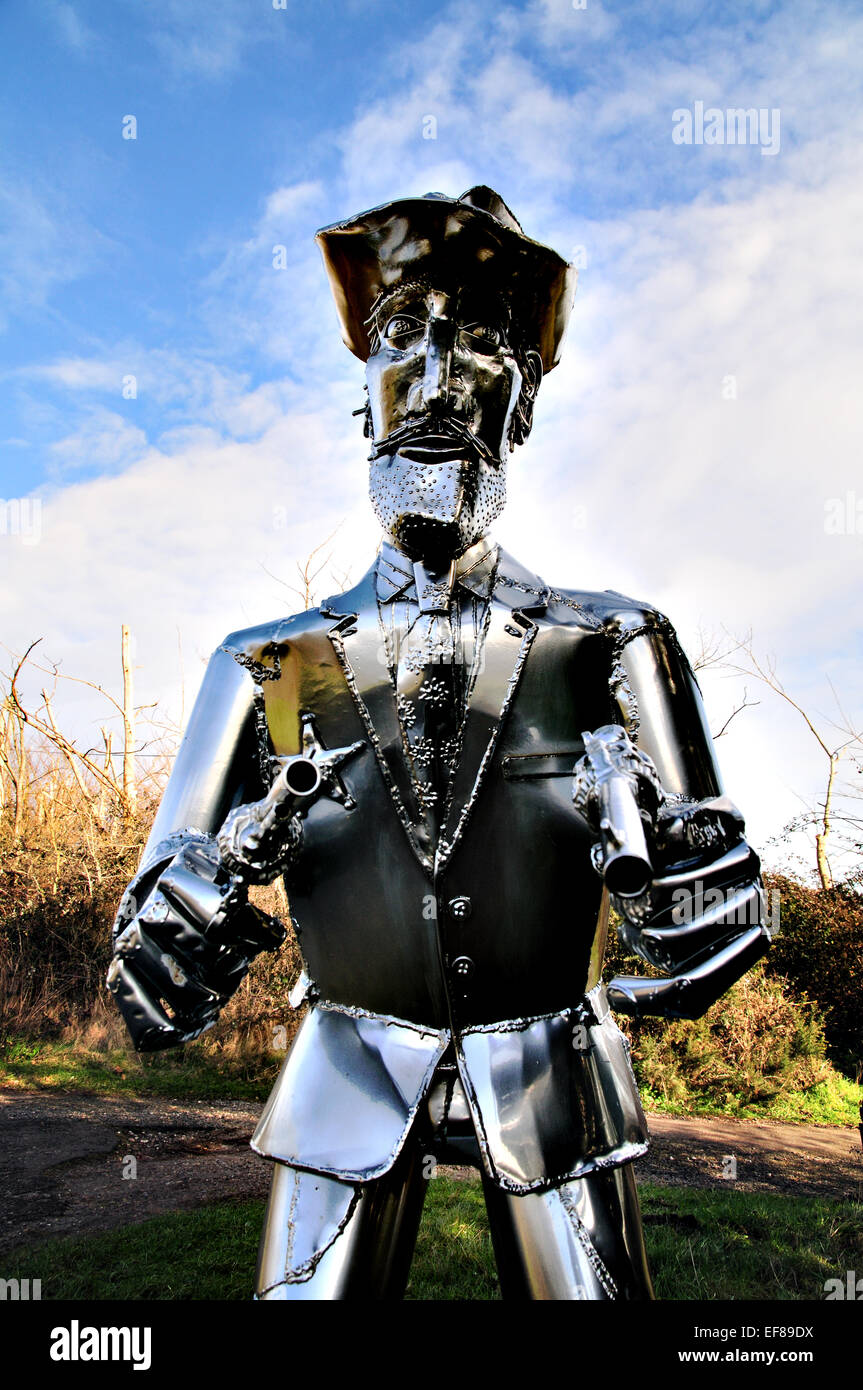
[626, 866]
[295, 786]
[610, 784]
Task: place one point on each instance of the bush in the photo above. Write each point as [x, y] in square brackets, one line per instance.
[754, 1046]
[819, 952]
[58, 895]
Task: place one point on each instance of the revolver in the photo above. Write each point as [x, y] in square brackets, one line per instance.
[184, 938]
[657, 854]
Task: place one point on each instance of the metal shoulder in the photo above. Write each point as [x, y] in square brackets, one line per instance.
[657, 698]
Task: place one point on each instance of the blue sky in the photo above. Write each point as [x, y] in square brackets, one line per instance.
[705, 415]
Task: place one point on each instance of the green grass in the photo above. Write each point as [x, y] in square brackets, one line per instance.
[702, 1245]
[180, 1074]
[832, 1102]
[733, 1245]
[201, 1072]
[454, 1258]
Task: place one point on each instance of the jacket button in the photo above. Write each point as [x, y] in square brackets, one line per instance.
[463, 969]
[460, 908]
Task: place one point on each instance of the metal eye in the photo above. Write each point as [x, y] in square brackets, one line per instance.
[488, 338]
[402, 326]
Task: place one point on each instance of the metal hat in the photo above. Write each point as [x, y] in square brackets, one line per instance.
[474, 240]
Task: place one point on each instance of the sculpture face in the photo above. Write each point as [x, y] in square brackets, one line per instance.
[443, 388]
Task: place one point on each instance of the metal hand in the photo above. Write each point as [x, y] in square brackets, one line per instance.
[682, 877]
[256, 839]
[182, 954]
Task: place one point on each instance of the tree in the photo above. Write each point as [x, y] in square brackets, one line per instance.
[849, 743]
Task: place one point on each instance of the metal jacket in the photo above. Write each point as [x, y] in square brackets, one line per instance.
[492, 938]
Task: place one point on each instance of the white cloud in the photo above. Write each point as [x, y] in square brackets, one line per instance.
[184, 540]
[74, 32]
[77, 374]
[104, 441]
[211, 39]
[45, 243]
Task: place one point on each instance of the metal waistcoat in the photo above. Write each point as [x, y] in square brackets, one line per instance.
[491, 938]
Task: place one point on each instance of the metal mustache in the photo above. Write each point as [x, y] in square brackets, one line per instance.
[433, 427]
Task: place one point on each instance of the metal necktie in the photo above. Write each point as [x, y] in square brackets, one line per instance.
[429, 689]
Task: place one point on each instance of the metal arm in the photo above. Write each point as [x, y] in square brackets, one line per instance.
[185, 933]
[181, 957]
[698, 913]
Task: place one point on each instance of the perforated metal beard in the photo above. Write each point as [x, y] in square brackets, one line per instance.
[434, 511]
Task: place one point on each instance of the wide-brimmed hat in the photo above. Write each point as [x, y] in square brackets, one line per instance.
[472, 240]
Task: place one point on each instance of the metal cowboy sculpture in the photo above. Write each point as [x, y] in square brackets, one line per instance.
[456, 768]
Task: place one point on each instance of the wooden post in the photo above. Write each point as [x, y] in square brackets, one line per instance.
[21, 782]
[109, 772]
[5, 720]
[130, 791]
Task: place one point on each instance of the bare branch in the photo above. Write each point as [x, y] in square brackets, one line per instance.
[744, 704]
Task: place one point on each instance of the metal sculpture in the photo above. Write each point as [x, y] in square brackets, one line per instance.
[455, 768]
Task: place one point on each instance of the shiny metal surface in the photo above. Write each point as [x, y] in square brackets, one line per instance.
[433, 349]
[613, 785]
[326, 1240]
[261, 841]
[689, 994]
[184, 937]
[552, 1098]
[581, 1241]
[376, 1071]
[475, 239]
[579, 1110]
[661, 704]
[444, 892]
[218, 765]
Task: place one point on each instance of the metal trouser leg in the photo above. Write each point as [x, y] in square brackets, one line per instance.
[325, 1239]
[583, 1240]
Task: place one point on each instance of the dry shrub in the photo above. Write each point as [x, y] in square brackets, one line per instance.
[63, 877]
[64, 874]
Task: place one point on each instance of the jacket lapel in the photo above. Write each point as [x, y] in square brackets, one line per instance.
[517, 597]
[358, 644]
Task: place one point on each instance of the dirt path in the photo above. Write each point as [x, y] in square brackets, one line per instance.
[63, 1159]
[755, 1156]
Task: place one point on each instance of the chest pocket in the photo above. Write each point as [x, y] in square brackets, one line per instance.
[519, 766]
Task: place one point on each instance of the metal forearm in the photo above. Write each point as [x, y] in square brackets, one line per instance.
[180, 957]
[689, 994]
[681, 875]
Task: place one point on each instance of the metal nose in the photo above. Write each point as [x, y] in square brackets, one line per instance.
[437, 364]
